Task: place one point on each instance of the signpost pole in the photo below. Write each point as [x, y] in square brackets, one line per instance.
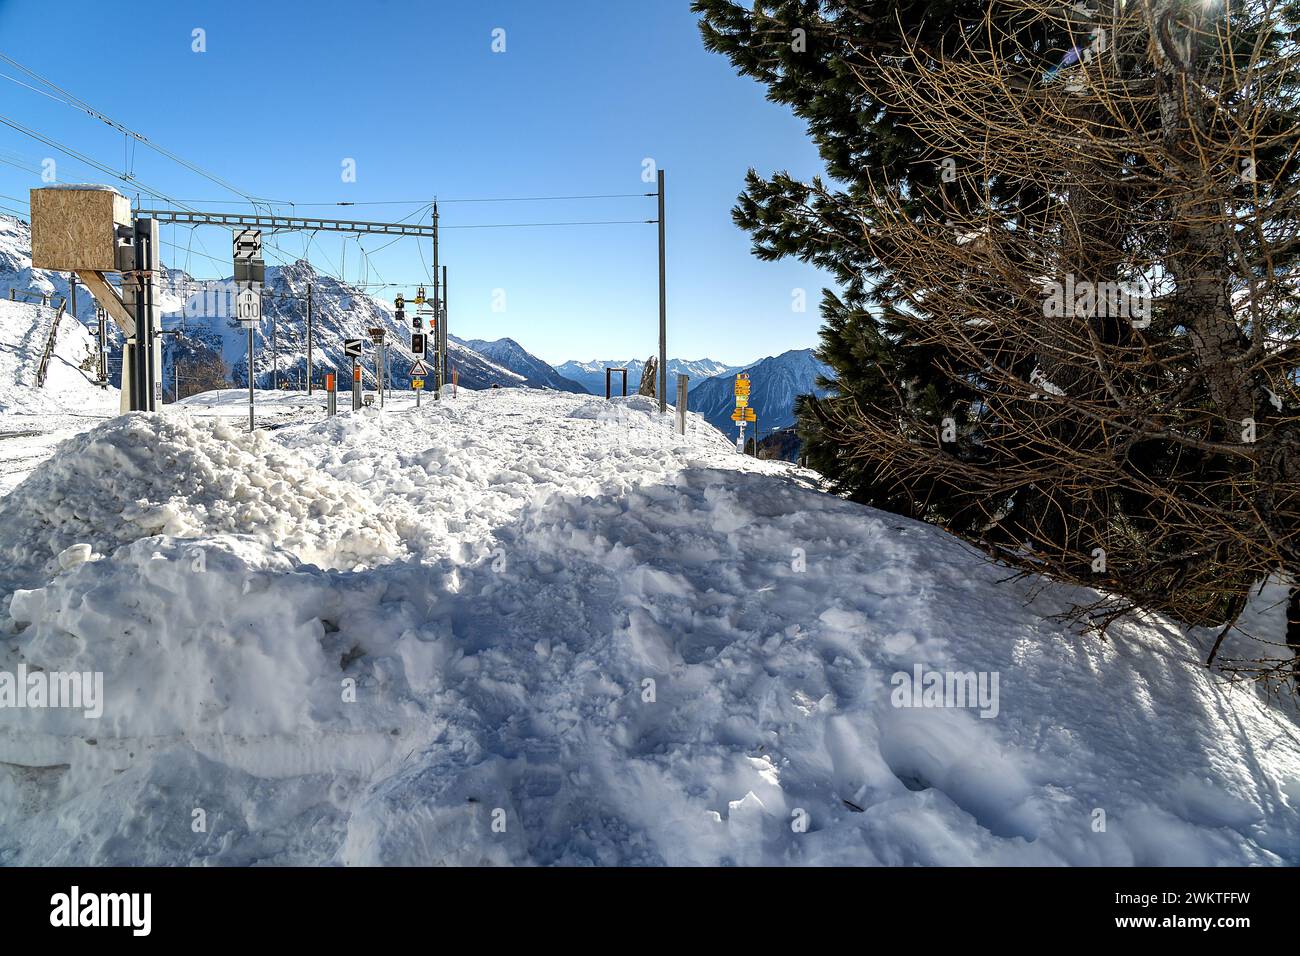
[356, 385]
[251, 424]
[309, 331]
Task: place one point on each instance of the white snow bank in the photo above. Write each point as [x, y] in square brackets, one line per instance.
[139, 475]
[623, 647]
[24, 331]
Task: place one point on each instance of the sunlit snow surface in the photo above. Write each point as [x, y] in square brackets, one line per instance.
[618, 645]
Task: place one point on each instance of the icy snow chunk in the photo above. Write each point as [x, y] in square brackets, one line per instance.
[69, 558]
[139, 475]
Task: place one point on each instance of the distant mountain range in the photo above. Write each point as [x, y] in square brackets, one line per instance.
[591, 375]
[775, 383]
[511, 355]
[341, 311]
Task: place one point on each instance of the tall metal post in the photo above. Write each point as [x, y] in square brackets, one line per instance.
[72, 292]
[437, 311]
[309, 331]
[356, 384]
[663, 308]
[442, 335]
[251, 423]
[140, 349]
[275, 352]
[681, 402]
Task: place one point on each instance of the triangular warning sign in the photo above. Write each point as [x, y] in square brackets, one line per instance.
[419, 369]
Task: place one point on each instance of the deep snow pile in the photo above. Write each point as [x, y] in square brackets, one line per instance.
[608, 645]
[139, 475]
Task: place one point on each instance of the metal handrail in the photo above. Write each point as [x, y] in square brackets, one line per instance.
[44, 366]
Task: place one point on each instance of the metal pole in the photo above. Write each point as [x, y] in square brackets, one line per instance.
[442, 335]
[606, 384]
[251, 423]
[72, 289]
[437, 308]
[663, 308]
[275, 353]
[681, 403]
[309, 331]
[141, 347]
[356, 385]
[102, 316]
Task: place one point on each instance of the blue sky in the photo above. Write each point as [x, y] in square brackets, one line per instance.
[585, 91]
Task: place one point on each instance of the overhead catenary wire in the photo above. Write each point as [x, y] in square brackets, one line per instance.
[133, 136]
[425, 202]
[82, 158]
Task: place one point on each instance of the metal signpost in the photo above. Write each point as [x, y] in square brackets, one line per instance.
[418, 371]
[250, 274]
[249, 309]
[352, 349]
[377, 338]
[743, 412]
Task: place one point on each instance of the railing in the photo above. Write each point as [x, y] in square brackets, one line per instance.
[44, 366]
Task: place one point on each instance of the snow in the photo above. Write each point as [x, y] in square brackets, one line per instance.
[33, 420]
[24, 331]
[139, 475]
[526, 627]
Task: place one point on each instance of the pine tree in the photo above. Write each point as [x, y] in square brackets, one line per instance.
[1078, 347]
[813, 56]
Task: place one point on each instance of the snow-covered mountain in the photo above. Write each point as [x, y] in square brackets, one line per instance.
[775, 383]
[203, 312]
[591, 375]
[510, 354]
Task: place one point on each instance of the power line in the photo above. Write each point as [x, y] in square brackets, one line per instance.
[81, 157]
[424, 202]
[585, 222]
[77, 103]
[552, 198]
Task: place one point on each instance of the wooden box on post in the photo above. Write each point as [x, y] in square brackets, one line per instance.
[74, 228]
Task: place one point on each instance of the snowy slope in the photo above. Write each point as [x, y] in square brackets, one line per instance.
[628, 647]
[775, 383]
[24, 331]
[510, 354]
[591, 375]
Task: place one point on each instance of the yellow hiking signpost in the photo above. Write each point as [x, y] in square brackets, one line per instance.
[743, 412]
